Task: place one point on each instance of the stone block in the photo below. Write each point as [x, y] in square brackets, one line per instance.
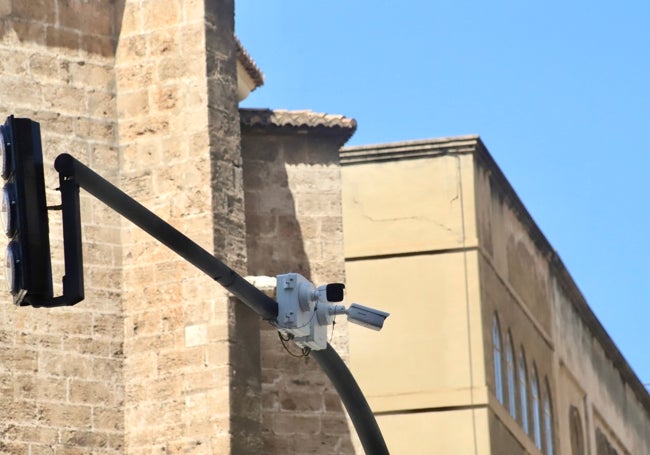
[108, 418]
[166, 98]
[68, 415]
[164, 42]
[157, 14]
[14, 63]
[134, 76]
[94, 45]
[196, 335]
[131, 48]
[89, 17]
[91, 393]
[294, 423]
[67, 41]
[30, 93]
[34, 10]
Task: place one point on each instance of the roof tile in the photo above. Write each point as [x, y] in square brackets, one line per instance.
[294, 119]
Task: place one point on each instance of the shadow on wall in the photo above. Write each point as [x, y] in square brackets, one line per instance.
[93, 27]
[300, 410]
[274, 240]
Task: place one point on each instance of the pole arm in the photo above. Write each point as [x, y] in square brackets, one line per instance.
[331, 363]
[126, 206]
[353, 399]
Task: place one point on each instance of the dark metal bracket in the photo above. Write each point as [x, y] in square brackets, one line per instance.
[73, 278]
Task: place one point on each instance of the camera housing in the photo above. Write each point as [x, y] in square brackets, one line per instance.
[304, 311]
[367, 317]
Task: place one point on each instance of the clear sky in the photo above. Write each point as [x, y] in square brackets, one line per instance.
[559, 91]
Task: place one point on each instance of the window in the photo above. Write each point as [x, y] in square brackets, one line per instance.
[575, 430]
[496, 345]
[603, 446]
[548, 420]
[523, 391]
[534, 392]
[510, 378]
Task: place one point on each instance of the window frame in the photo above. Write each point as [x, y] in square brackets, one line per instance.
[522, 375]
[547, 409]
[535, 408]
[511, 379]
[576, 432]
[497, 359]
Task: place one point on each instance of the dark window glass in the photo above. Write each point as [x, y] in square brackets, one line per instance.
[496, 345]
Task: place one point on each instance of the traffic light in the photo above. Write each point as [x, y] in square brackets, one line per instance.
[24, 213]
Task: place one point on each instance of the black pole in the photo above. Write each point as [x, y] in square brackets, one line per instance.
[331, 363]
[353, 399]
[73, 279]
[126, 206]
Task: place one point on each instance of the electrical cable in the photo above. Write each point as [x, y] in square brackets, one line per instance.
[333, 325]
[305, 351]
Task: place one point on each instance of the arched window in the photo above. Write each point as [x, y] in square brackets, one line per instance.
[602, 445]
[510, 378]
[534, 396]
[548, 419]
[496, 346]
[523, 390]
[575, 431]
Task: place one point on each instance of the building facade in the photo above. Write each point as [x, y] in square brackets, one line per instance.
[158, 358]
[490, 348]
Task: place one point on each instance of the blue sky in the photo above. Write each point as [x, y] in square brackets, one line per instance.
[558, 91]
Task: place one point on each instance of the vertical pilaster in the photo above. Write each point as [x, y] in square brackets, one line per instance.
[176, 327]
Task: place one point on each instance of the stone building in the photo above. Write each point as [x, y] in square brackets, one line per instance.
[491, 347]
[158, 358]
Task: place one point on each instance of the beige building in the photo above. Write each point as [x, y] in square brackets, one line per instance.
[490, 347]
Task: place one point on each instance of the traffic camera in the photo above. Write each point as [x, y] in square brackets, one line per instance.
[305, 311]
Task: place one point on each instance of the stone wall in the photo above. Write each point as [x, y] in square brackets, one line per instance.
[143, 91]
[294, 224]
[60, 370]
[411, 250]
[175, 68]
[158, 358]
[525, 282]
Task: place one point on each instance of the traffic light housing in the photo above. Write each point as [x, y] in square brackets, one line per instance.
[24, 213]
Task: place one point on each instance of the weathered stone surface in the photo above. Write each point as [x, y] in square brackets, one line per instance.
[294, 224]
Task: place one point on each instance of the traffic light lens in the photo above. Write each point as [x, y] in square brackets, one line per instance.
[6, 165]
[12, 259]
[8, 209]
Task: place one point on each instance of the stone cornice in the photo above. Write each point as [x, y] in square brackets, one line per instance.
[408, 150]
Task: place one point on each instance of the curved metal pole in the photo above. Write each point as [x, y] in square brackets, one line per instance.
[128, 207]
[353, 399]
[360, 413]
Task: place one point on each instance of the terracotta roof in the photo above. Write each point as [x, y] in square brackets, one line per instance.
[294, 119]
[249, 64]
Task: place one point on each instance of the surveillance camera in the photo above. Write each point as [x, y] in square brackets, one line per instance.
[367, 317]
